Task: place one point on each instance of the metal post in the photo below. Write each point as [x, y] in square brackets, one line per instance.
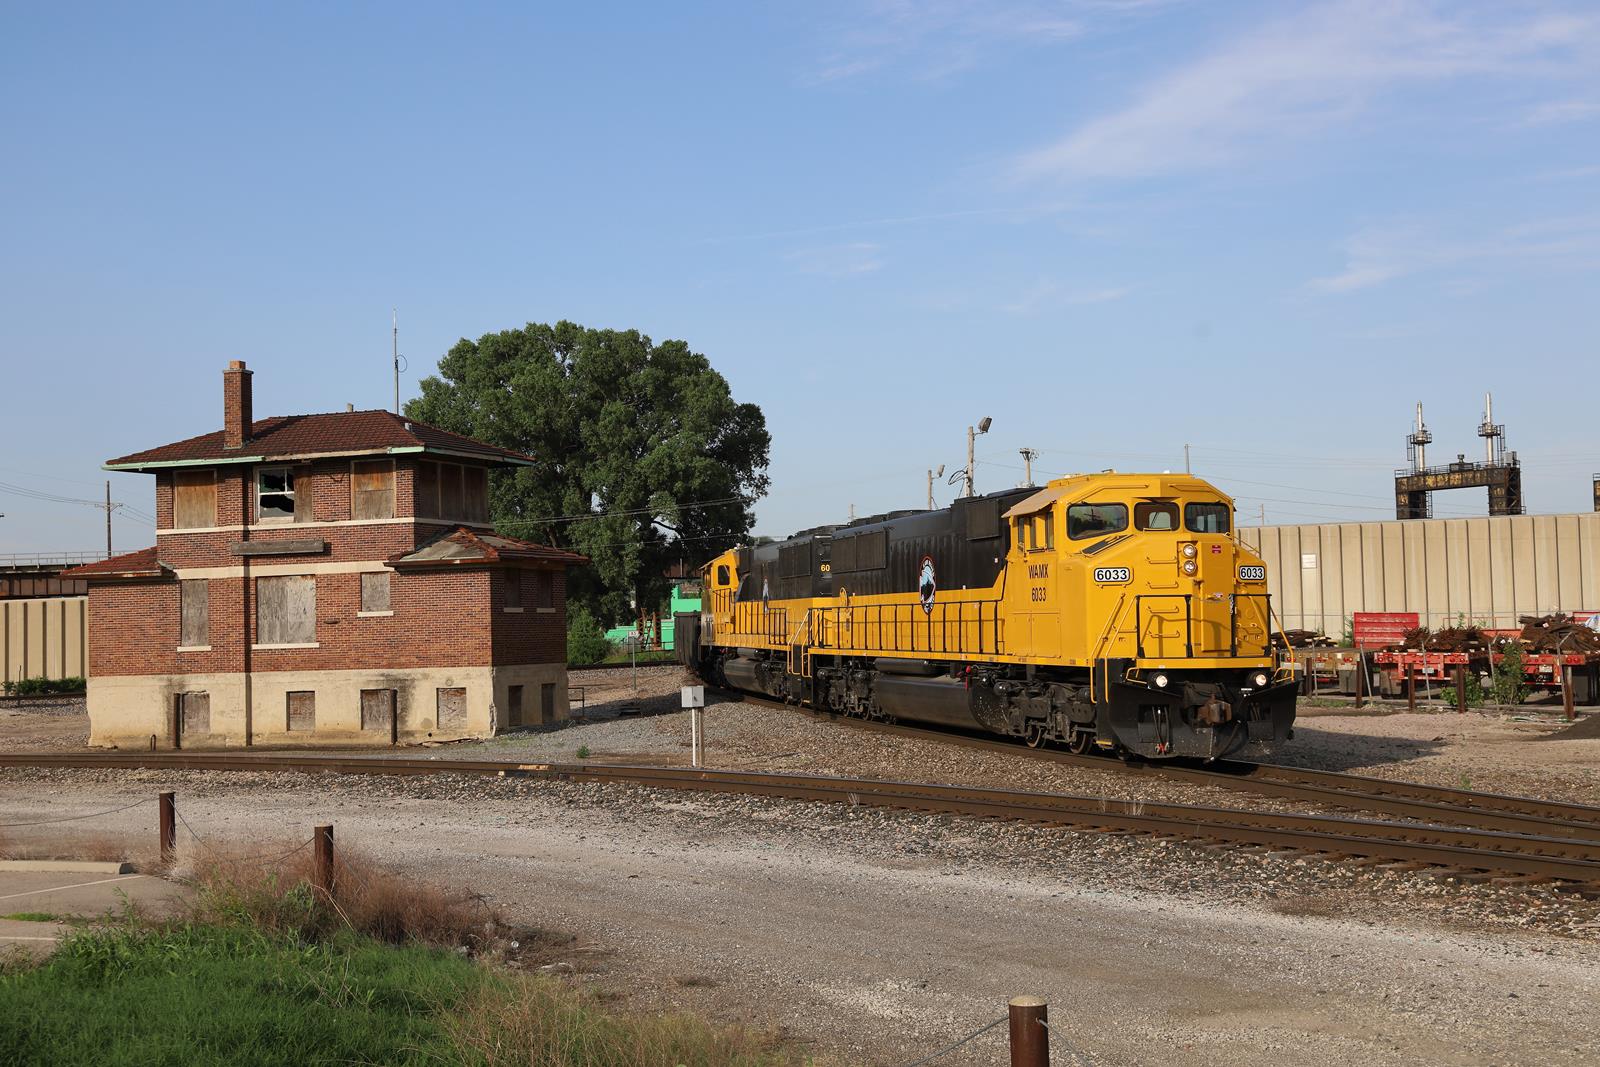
[323, 837]
[1411, 689]
[971, 437]
[1461, 689]
[169, 826]
[1361, 679]
[1030, 1032]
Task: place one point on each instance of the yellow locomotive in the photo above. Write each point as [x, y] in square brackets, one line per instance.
[1109, 610]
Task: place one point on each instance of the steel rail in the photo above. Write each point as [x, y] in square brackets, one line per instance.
[1411, 800]
[1488, 851]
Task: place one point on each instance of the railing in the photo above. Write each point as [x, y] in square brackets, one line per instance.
[958, 627]
[1155, 616]
[39, 560]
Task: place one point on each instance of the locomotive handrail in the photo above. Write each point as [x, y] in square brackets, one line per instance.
[1188, 621]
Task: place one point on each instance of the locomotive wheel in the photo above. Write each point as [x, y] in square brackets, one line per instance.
[1080, 742]
[1033, 734]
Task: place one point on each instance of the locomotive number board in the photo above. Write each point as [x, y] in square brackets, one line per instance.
[1113, 575]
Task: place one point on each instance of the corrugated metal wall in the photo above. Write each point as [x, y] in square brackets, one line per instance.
[44, 638]
[1487, 570]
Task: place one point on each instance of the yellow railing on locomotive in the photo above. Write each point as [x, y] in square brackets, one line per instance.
[1179, 625]
[946, 628]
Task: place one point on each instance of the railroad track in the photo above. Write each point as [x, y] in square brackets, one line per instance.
[1466, 852]
[1409, 800]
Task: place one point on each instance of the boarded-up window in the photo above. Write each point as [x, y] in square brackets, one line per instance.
[475, 493]
[302, 712]
[450, 505]
[375, 591]
[377, 710]
[452, 709]
[514, 705]
[286, 610]
[372, 489]
[194, 715]
[194, 595]
[547, 703]
[544, 589]
[425, 490]
[514, 590]
[194, 499]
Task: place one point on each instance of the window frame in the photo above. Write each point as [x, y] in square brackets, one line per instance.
[185, 587]
[393, 490]
[178, 476]
[512, 600]
[1157, 507]
[1227, 516]
[278, 578]
[294, 515]
[363, 610]
[1102, 532]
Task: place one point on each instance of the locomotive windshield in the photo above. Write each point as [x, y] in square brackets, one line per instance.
[1092, 520]
[1155, 515]
[1206, 518]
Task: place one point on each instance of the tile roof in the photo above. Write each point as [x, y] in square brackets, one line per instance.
[462, 545]
[140, 564]
[350, 432]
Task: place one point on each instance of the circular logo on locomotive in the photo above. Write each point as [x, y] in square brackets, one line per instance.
[926, 585]
[766, 590]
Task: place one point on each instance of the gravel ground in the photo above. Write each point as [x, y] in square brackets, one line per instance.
[878, 937]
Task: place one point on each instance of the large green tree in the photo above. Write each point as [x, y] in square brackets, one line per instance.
[644, 456]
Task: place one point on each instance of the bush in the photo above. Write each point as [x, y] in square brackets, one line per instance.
[1509, 684]
[586, 640]
[42, 687]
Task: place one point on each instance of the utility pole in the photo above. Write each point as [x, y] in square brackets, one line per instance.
[1263, 514]
[932, 474]
[108, 518]
[1186, 468]
[972, 434]
[1028, 455]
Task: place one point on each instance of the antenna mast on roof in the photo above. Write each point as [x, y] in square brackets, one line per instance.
[397, 361]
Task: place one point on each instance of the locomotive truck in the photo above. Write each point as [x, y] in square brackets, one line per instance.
[1106, 611]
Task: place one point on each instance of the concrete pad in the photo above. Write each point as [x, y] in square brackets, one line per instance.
[36, 939]
[75, 866]
[84, 895]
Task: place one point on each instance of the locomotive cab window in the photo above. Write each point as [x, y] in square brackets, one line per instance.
[1093, 520]
[722, 574]
[1155, 515]
[1206, 518]
[1038, 532]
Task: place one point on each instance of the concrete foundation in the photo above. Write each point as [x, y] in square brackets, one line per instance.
[143, 711]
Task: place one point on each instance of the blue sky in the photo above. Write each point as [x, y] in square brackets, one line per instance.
[1264, 229]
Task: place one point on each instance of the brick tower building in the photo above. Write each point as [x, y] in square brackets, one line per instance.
[323, 579]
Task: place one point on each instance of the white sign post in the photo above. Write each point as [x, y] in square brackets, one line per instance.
[694, 698]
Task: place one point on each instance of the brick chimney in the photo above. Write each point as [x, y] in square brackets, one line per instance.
[237, 415]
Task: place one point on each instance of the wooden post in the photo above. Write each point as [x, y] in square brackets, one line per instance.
[323, 836]
[1566, 690]
[1461, 689]
[1361, 678]
[1030, 1033]
[169, 826]
[1411, 689]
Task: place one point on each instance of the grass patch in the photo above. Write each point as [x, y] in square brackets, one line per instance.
[261, 968]
[31, 917]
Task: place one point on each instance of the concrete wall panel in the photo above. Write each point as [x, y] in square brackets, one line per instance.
[43, 638]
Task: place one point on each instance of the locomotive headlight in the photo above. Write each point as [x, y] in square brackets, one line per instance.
[1159, 681]
[1191, 568]
[1190, 552]
[1260, 679]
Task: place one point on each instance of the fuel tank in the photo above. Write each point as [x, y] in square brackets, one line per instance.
[946, 701]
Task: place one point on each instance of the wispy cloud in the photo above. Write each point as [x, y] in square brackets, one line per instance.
[1552, 112]
[932, 39]
[838, 261]
[1306, 73]
[1381, 254]
[1048, 293]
